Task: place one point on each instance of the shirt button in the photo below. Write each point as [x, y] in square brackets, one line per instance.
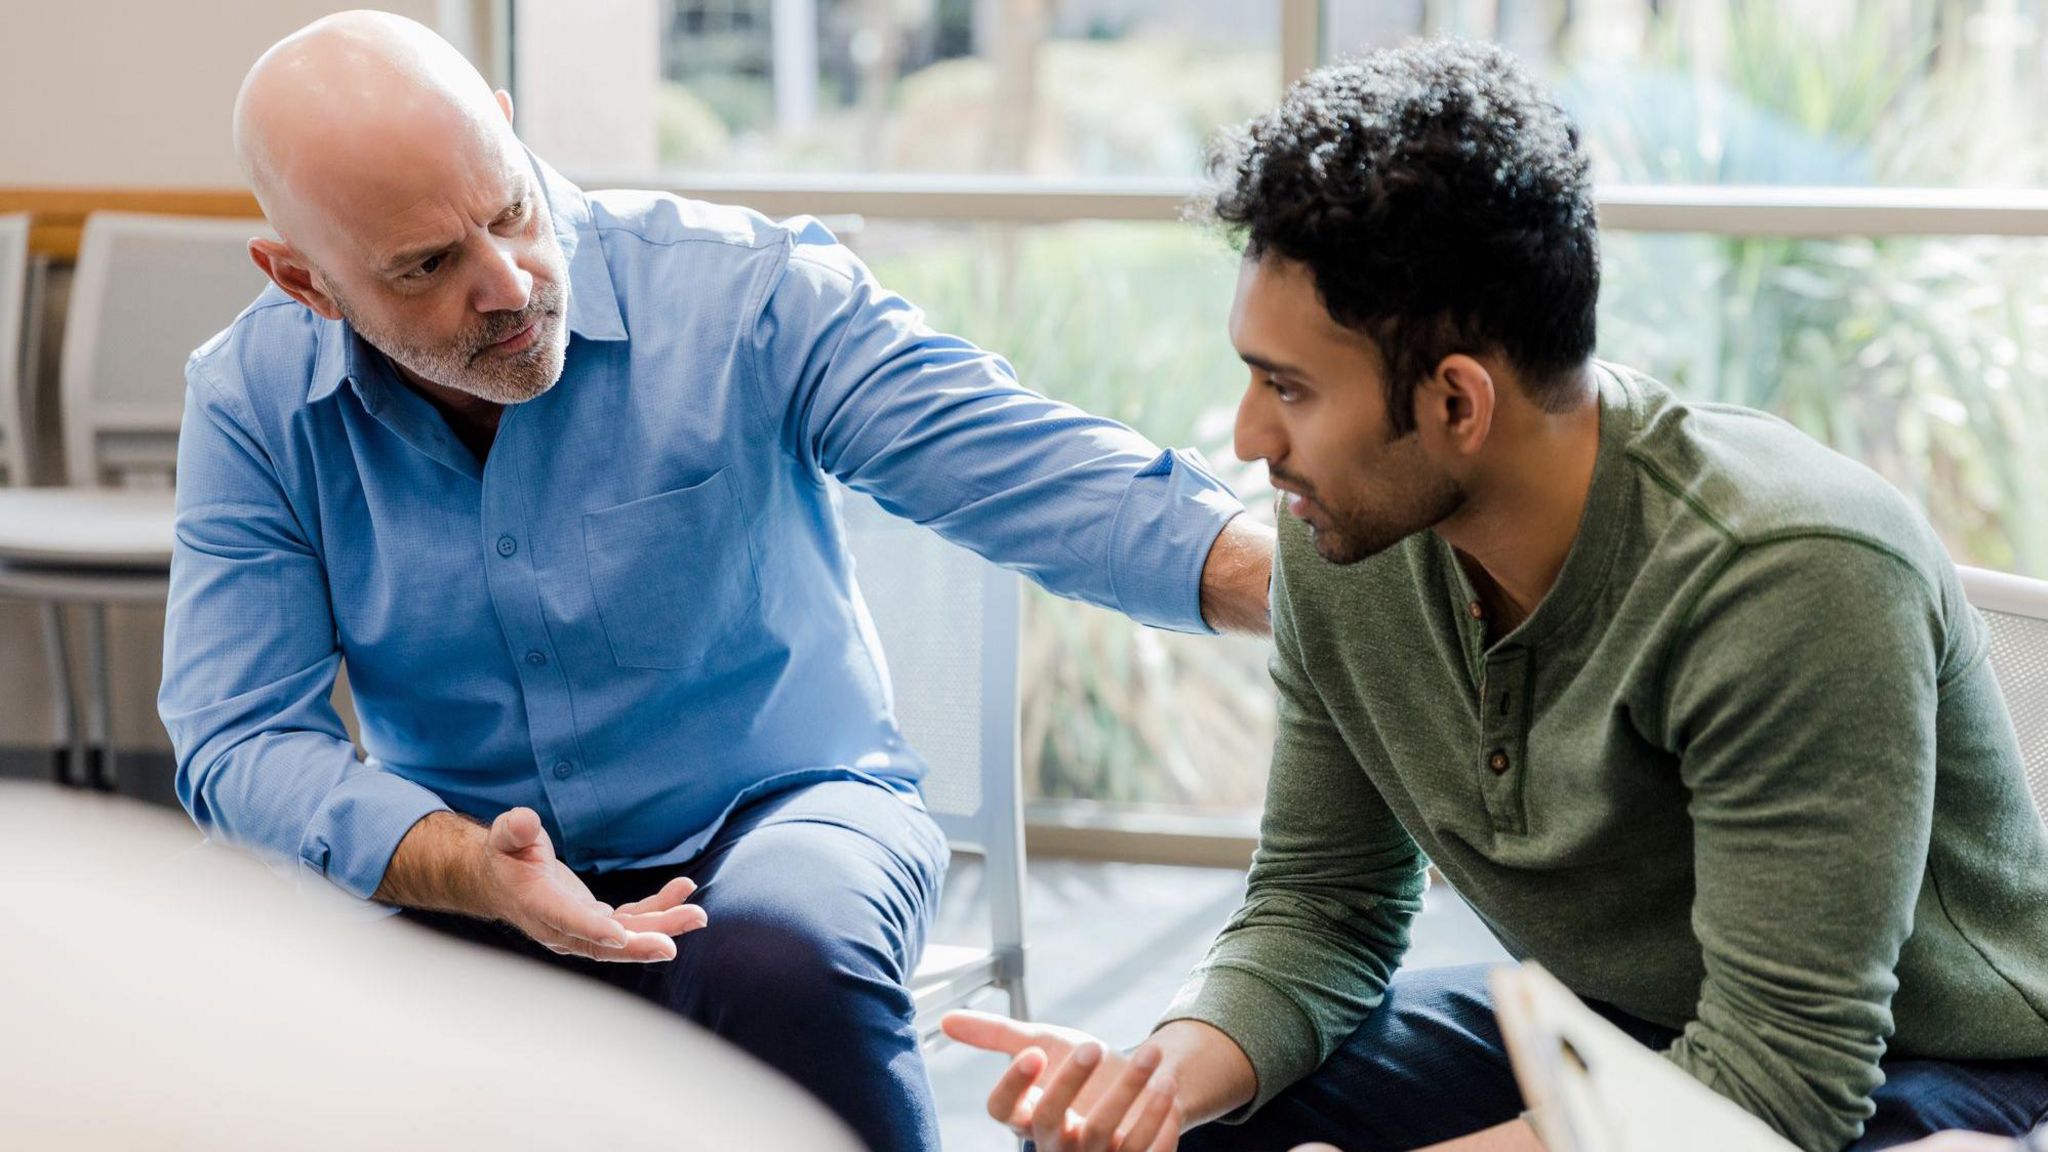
[563, 769]
[1476, 610]
[536, 658]
[1498, 762]
[507, 545]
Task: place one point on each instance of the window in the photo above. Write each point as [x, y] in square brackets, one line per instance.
[1044, 87]
[1823, 92]
[1924, 358]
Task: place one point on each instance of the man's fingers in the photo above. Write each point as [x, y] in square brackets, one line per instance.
[989, 1032]
[1049, 1117]
[575, 918]
[673, 922]
[640, 948]
[1152, 1129]
[562, 945]
[1005, 1103]
[672, 894]
[645, 948]
[1099, 1129]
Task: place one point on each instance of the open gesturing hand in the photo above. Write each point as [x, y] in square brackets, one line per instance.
[532, 890]
[1067, 1092]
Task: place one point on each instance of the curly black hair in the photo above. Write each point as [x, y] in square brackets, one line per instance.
[1443, 204]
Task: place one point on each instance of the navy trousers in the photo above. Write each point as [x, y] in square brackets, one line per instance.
[1429, 1065]
[819, 901]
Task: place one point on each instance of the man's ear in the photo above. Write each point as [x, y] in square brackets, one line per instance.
[505, 104]
[290, 272]
[1454, 406]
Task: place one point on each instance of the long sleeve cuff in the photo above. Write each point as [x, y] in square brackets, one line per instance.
[1819, 1114]
[1277, 1036]
[357, 827]
[1168, 520]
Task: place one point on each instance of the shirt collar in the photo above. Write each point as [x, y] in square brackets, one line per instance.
[593, 305]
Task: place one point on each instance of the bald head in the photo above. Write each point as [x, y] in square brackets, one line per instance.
[345, 101]
[404, 204]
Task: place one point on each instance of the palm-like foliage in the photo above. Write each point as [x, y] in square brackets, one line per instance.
[1920, 357]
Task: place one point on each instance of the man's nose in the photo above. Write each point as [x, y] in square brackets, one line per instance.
[1256, 435]
[505, 287]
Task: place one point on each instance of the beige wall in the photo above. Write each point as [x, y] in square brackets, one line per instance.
[588, 72]
[131, 93]
[136, 92]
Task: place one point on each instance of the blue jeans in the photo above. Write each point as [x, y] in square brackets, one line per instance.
[819, 902]
[1428, 1065]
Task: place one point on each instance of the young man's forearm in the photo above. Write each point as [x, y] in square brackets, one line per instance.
[439, 866]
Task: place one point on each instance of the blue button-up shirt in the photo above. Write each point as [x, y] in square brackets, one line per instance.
[637, 612]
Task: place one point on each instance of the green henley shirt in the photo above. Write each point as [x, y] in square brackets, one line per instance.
[1744, 771]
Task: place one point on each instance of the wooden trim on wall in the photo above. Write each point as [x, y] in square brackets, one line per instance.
[59, 213]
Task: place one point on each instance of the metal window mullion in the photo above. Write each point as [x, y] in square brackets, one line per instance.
[1301, 38]
[1623, 208]
[1819, 212]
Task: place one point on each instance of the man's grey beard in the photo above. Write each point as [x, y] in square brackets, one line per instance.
[464, 367]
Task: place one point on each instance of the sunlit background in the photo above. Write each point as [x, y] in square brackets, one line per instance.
[1922, 357]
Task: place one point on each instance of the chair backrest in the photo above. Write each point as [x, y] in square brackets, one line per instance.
[948, 624]
[2016, 611]
[14, 324]
[147, 291]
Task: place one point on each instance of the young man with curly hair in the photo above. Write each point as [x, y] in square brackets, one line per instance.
[1689, 708]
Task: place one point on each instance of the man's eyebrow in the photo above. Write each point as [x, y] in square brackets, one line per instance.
[411, 256]
[1269, 367]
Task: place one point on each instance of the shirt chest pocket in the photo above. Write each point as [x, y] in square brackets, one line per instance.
[674, 575]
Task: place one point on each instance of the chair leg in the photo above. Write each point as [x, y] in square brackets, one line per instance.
[1020, 1007]
[100, 716]
[57, 650]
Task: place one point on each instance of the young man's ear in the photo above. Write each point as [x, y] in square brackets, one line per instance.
[288, 271]
[1454, 406]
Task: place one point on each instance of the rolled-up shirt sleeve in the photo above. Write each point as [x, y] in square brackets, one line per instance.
[941, 432]
[250, 658]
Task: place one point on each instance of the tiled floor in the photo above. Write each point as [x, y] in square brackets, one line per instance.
[1109, 943]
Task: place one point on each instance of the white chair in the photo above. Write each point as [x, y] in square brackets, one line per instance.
[948, 624]
[18, 328]
[146, 292]
[2016, 610]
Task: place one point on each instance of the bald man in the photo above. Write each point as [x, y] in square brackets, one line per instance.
[550, 472]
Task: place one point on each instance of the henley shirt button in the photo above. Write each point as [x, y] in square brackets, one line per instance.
[536, 658]
[1498, 762]
[563, 769]
[1476, 610]
[507, 545]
